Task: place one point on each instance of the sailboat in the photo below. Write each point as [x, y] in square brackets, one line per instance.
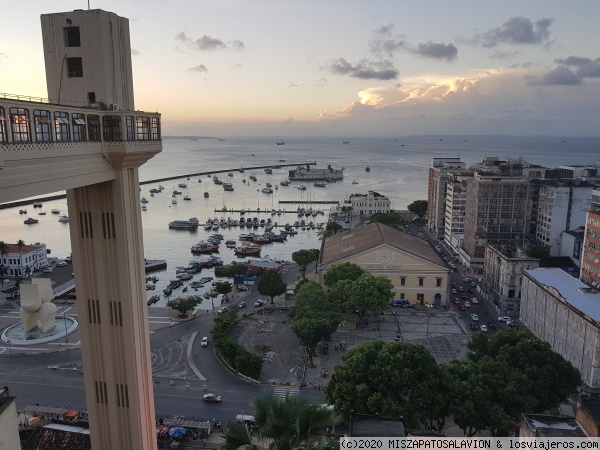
[187, 196]
[224, 207]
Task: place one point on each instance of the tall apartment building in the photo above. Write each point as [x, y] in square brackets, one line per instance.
[456, 201]
[595, 204]
[562, 206]
[89, 140]
[590, 260]
[496, 210]
[502, 277]
[439, 175]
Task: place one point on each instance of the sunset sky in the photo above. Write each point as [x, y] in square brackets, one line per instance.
[343, 67]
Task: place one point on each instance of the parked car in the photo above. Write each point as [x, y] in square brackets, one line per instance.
[241, 304]
[474, 317]
[204, 342]
[242, 287]
[259, 303]
[466, 279]
[503, 319]
[211, 398]
[473, 327]
[222, 310]
[48, 270]
[475, 300]
[482, 327]
[62, 264]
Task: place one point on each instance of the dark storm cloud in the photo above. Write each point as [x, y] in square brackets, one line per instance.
[437, 51]
[384, 42]
[207, 43]
[516, 31]
[201, 68]
[571, 72]
[364, 69]
[584, 67]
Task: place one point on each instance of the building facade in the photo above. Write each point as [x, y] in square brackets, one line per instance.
[564, 312]
[89, 140]
[496, 210]
[502, 277]
[439, 175]
[456, 200]
[415, 269]
[590, 260]
[562, 207]
[369, 204]
[20, 261]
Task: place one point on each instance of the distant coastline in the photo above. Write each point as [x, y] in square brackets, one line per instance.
[190, 137]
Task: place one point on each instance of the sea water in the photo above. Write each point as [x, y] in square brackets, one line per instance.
[398, 169]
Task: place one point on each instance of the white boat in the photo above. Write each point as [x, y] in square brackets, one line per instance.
[30, 221]
[55, 211]
[301, 187]
[37, 204]
[173, 201]
[182, 185]
[320, 184]
[63, 218]
[267, 190]
[190, 224]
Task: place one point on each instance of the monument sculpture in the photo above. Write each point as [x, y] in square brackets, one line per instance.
[37, 308]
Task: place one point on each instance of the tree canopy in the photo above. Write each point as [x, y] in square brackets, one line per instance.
[390, 379]
[223, 287]
[184, 304]
[365, 294]
[286, 424]
[539, 251]
[343, 271]
[419, 207]
[303, 258]
[270, 283]
[331, 228]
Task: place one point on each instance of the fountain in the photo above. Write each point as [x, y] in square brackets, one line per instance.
[39, 323]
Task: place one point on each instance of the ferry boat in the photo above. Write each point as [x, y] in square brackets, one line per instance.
[190, 224]
[248, 248]
[155, 264]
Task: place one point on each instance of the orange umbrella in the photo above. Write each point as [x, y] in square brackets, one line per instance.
[34, 420]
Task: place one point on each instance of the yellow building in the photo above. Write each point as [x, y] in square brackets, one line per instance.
[415, 269]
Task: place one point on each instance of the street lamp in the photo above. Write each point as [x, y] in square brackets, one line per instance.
[428, 316]
[66, 334]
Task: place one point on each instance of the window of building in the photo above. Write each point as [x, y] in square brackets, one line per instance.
[438, 282]
[79, 127]
[72, 37]
[155, 129]
[19, 125]
[111, 126]
[94, 128]
[142, 128]
[91, 97]
[42, 122]
[3, 132]
[401, 295]
[421, 281]
[129, 127]
[74, 67]
[402, 281]
[62, 130]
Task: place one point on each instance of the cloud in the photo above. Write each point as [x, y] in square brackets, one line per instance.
[509, 54]
[200, 68]
[437, 51]
[135, 52]
[205, 43]
[571, 72]
[294, 85]
[236, 66]
[237, 46]
[384, 42]
[364, 69]
[516, 31]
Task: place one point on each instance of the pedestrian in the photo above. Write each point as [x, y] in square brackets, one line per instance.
[203, 442]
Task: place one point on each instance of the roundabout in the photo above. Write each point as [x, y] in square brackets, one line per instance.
[15, 334]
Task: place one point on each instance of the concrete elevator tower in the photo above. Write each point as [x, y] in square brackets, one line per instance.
[88, 139]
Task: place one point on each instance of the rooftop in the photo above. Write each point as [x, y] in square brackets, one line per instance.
[574, 292]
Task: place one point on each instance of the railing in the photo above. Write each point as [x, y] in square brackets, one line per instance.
[25, 98]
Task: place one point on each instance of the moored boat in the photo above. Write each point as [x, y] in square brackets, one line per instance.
[190, 224]
[30, 221]
[64, 218]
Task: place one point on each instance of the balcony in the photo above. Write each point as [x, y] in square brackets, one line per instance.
[44, 143]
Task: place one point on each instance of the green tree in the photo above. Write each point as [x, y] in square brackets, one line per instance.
[238, 269]
[346, 209]
[3, 273]
[283, 424]
[525, 374]
[270, 283]
[311, 330]
[223, 287]
[330, 229]
[303, 258]
[309, 290]
[539, 251]
[184, 304]
[419, 207]
[19, 277]
[343, 271]
[389, 219]
[3, 268]
[366, 294]
[387, 378]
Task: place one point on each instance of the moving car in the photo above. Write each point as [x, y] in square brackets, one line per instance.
[222, 310]
[241, 304]
[62, 264]
[463, 308]
[473, 327]
[211, 398]
[242, 287]
[475, 300]
[48, 270]
[467, 304]
[503, 319]
[491, 325]
[259, 303]
[204, 342]
[474, 317]
[482, 327]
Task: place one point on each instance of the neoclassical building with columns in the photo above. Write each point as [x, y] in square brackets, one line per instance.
[88, 138]
[415, 269]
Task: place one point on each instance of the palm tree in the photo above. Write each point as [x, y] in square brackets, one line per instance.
[283, 424]
[3, 253]
[3, 272]
[20, 245]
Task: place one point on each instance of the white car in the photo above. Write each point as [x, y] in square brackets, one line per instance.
[503, 319]
[48, 270]
[242, 287]
[204, 342]
[474, 317]
[222, 310]
[241, 304]
[62, 264]
[475, 300]
[482, 327]
[259, 302]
